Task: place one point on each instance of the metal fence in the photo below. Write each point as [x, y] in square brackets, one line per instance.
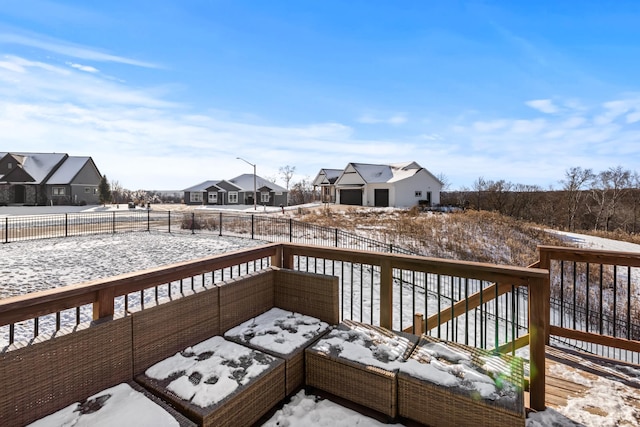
[261, 227]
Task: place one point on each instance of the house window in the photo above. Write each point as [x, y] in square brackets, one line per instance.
[58, 191]
[9, 165]
[195, 197]
[418, 193]
[95, 191]
[87, 190]
[278, 193]
[233, 197]
[213, 197]
[264, 197]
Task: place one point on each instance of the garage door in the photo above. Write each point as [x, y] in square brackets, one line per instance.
[351, 197]
[381, 197]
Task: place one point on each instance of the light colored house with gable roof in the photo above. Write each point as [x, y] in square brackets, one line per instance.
[326, 180]
[392, 185]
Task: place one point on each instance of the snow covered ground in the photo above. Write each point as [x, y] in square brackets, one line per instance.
[34, 265]
[593, 242]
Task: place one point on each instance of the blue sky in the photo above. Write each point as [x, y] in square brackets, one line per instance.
[164, 95]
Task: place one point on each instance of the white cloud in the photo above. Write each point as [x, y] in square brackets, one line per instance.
[633, 117]
[395, 119]
[528, 126]
[490, 126]
[574, 122]
[544, 105]
[69, 49]
[87, 68]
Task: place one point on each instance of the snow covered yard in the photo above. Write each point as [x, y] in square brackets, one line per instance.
[36, 265]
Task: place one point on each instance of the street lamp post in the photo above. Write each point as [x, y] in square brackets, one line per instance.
[255, 191]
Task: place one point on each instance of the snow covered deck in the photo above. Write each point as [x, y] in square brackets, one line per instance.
[104, 298]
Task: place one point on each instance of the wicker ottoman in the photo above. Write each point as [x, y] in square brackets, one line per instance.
[283, 334]
[218, 382]
[449, 384]
[359, 362]
[122, 404]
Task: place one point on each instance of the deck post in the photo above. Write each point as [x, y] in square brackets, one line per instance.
[103, 306]
[545, 263]
[276, 259]
[538, 324]
[418, 324]
[386, 294]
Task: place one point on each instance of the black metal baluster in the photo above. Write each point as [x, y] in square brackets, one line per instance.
[562, 293]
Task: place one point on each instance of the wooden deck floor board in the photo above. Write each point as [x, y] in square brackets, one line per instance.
[569, 375]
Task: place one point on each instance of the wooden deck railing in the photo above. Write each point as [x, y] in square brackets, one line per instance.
[595, 298]
[389, 277]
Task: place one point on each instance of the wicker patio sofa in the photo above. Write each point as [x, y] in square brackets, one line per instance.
[51, 373]
[54, 372]
[238, 300]
[459, 403]
[369, 381]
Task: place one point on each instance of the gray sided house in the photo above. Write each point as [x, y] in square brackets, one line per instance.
[217, 192]
[236, 191]
[48, 178]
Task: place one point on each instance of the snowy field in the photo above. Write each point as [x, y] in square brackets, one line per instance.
[34, 265]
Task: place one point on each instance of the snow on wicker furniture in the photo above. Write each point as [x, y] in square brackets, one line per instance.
[162, 330]
[121, 405]
[283, 334]
[53, 372]
[169, 327]
[450, 384]
[218, 382]
[309, 294]
[359, 362]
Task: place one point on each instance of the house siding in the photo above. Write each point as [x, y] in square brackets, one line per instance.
[399, 185]
[88, 178]
[422, 181]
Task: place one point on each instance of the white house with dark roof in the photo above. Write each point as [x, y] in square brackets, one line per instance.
[392, 185]
[236, 191]
[326, 180]
[48, 178]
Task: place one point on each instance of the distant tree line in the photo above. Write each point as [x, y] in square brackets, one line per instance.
[608, 200]
[119, 194]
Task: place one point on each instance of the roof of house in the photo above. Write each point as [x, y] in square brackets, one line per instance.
[47, 168]
[376, 173]
[330, 176]
[68, 170]
[245, 182]
[205, 186]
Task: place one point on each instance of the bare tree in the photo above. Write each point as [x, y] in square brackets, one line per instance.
[573, 185]
[444, 179]
[116, 192]
[302, 192]
[479, 186]
[286, 172]
[635, 201]
[608, 189]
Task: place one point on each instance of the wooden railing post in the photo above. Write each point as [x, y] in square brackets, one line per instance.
[538, 324]
[276, 259]
[418, 324]
[545, 263]
[103, 306]
[386, 294]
